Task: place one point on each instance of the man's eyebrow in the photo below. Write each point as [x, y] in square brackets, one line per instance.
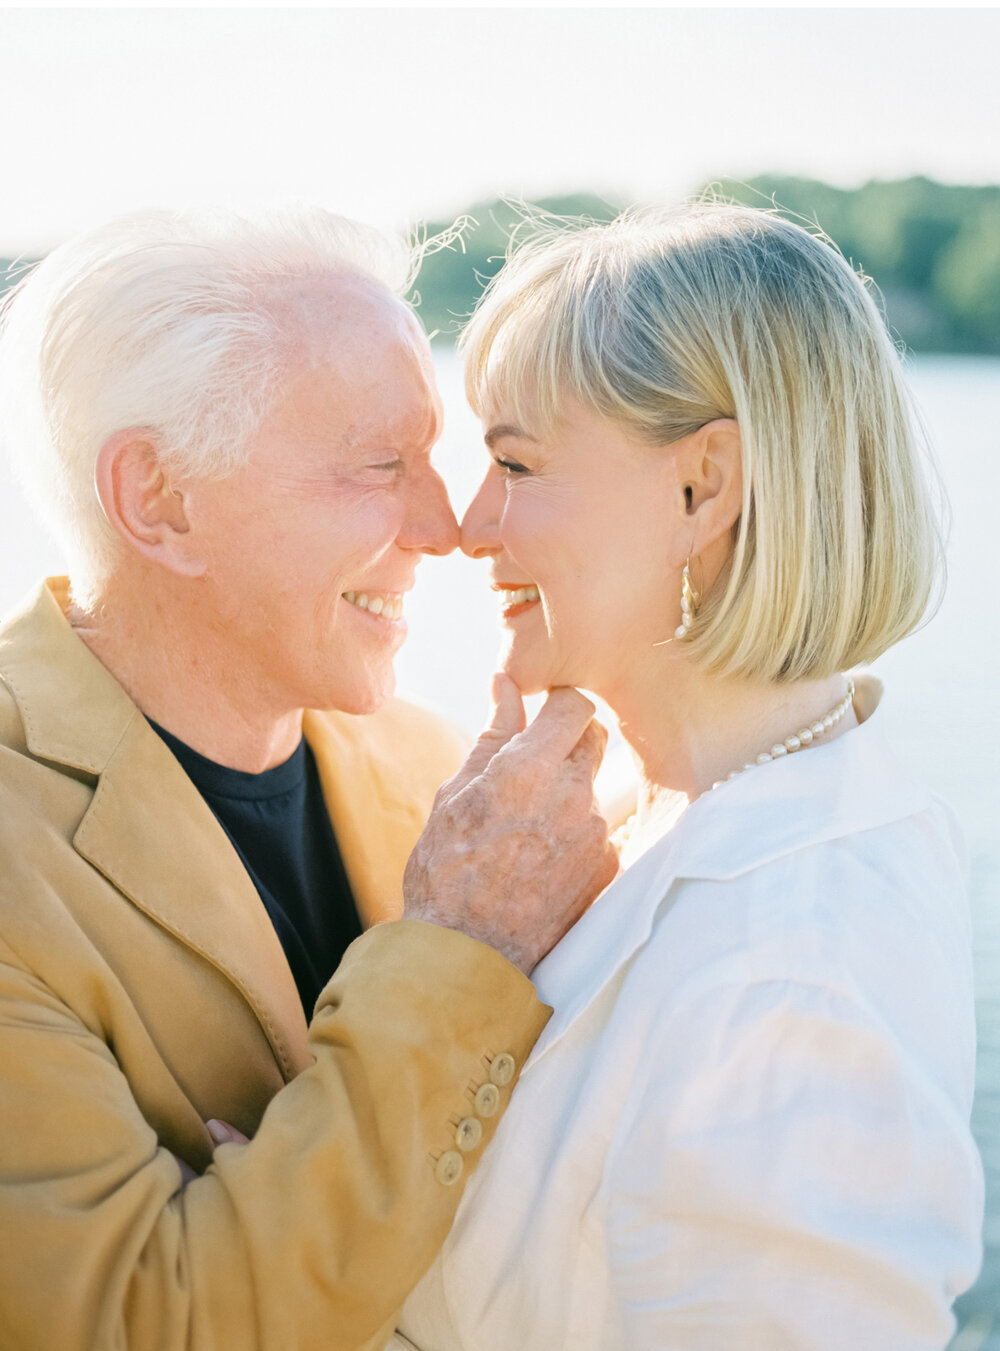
[503, 429]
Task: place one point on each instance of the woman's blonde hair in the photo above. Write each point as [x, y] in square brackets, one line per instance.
[664, 321]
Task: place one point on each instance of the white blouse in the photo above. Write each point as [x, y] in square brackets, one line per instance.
[747, 1123]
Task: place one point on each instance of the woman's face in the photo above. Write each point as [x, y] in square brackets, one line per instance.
[586, 521]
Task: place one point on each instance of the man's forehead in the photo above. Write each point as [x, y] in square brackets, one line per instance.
[358, 362]
[357, 397]
[341, 309]
[400, 412]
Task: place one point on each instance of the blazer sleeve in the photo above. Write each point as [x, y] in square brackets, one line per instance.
[308, 1237]
[788, 1174]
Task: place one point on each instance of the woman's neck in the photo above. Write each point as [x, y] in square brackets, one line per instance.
[690, 730]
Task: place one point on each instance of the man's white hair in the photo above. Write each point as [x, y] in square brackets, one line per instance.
[171, 322]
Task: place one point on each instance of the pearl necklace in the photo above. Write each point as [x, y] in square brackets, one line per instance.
[805, 736]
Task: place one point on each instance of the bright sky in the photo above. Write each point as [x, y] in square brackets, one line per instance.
[399, 114]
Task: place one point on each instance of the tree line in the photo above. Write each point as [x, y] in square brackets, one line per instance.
[932, 250]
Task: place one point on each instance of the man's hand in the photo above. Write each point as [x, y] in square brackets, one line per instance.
[222, 1134]
[515, 848]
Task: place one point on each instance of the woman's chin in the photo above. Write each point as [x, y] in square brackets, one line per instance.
[530, 677]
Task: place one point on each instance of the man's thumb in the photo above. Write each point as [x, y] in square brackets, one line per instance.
[507, 712]
[506, 720]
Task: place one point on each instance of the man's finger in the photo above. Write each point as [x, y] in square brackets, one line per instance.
[507, 719]
[224, 1134]
[563, 719]
[507, 712]
[589, 750]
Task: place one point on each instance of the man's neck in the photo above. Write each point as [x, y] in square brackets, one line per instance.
[186, 682]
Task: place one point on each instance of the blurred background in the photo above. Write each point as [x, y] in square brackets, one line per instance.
[880, 126]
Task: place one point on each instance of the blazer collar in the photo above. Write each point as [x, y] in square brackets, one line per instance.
[853, 784]
[377, 815]
[74, 711]
[147, 828]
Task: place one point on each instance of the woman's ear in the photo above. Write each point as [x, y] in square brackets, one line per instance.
[710, 465]
[142, 508]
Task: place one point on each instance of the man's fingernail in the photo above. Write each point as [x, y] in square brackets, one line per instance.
[218, 1131]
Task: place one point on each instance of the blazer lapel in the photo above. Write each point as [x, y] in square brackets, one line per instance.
[147, 829]
[375, 824]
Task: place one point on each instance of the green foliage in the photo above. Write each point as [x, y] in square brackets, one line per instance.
[12, 270]
[933, 251]
[452, 279]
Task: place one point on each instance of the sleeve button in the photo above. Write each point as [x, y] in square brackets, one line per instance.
[448, 1168]
[502, 1069]
[487, 1100]
[469, 1134]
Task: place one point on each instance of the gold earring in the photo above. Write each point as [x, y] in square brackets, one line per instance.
[689, 602]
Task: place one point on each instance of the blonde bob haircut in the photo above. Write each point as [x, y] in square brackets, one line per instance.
[664, 321]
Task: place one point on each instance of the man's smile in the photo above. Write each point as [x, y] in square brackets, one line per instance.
[387, 604]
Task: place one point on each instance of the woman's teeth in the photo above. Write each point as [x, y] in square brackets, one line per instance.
[519, 597]
[389, 606]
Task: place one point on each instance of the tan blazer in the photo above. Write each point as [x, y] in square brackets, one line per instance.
[143, 991]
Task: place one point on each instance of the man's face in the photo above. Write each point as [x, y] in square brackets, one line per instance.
[337, 503]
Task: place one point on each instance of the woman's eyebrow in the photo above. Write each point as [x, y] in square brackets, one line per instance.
[503, 429]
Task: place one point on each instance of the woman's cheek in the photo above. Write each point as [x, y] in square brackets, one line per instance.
[521, 534]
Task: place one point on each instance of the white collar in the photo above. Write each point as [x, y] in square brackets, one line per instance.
[855, 783]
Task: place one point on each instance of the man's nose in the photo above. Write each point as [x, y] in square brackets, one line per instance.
[481, 523]
[430, 524]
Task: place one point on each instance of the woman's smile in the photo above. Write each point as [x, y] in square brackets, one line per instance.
[516, 600]
[578, 526]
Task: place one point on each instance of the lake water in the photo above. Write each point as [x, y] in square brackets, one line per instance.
[943, 684]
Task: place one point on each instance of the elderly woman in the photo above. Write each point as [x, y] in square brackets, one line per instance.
[747, 1124]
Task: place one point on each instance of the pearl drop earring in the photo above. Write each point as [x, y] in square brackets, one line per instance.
[689, 602]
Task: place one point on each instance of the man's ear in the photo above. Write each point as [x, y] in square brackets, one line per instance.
[141, 507]
[710, 473]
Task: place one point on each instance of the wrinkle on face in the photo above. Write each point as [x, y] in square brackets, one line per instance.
[325, 504]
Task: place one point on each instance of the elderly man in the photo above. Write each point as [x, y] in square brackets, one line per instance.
[229, 426]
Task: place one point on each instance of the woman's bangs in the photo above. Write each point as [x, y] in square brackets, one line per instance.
[520, 361]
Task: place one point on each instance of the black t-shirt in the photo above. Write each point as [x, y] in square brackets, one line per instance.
[279, 825]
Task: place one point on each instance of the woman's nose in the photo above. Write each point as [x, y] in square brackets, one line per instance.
[481, 522]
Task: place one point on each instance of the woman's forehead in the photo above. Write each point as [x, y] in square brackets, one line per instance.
[512, 394]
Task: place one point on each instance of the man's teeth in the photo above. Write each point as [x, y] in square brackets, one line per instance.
[389, 606]
[520, 597]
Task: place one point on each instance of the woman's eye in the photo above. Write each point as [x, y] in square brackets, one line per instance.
[510, 466]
